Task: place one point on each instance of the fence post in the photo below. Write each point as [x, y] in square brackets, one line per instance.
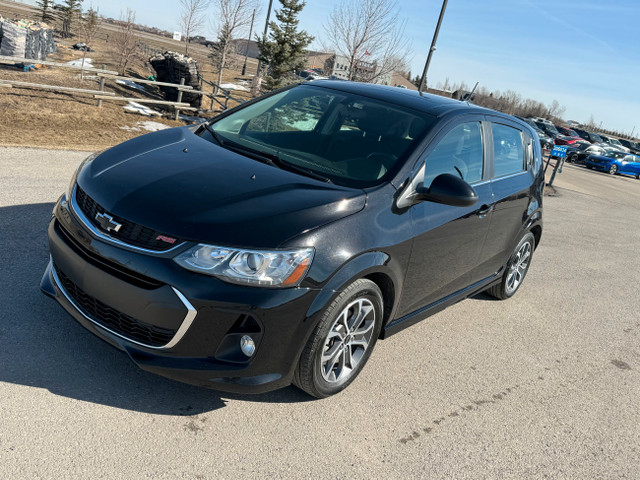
[101, 89]
[179, 99]
[213, 96]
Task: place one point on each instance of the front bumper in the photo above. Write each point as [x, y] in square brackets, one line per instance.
[172, 322]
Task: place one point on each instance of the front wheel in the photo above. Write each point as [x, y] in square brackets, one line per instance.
[517, 268]
[638, 175]
[342, 342]
[613, 169]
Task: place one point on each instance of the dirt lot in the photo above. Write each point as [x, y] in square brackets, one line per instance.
[72, 121]
[544, 385]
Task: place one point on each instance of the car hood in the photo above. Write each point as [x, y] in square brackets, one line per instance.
[175, 182]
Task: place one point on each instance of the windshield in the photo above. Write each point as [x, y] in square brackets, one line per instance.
[616, 154]
[349, 139]
[614, 141]
[596, 137]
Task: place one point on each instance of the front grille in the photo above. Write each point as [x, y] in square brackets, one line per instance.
[130, 233]
[112, 268]
[112, 319]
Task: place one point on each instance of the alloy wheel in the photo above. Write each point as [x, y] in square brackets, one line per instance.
[518, 268]
[347, 340]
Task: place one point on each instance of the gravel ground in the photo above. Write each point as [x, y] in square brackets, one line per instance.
[543, 385]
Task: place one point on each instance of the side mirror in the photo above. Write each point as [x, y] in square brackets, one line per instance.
[448, 190]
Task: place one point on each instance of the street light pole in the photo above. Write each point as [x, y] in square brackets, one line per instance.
[246, 52]
[423, 80]
[266, 28]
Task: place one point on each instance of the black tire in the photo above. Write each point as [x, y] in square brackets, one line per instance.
[589, 167]
[638, 175]
[309, 374]
[613, 169]
[573, 158]
[505, 289]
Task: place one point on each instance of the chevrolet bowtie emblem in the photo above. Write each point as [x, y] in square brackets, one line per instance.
[107, 223]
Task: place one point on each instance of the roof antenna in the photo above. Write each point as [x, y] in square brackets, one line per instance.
[423, 80]
[470, 96]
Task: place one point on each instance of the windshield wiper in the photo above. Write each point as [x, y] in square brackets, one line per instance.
[265, 157]
[213, 133]
[305, 171]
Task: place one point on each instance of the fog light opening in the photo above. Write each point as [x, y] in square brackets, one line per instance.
[247, 345]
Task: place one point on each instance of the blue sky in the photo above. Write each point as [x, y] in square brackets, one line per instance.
[584, 53]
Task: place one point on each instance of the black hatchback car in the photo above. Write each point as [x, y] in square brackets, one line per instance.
[278, 242]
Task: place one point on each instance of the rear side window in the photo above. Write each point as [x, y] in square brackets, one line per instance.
[459, 153]
[508, 152]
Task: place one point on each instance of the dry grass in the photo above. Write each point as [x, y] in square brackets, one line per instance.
[47, 119]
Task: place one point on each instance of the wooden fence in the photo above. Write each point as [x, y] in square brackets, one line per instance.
[101, 95]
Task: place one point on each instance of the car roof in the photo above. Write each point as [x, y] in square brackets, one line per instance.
[427, 103]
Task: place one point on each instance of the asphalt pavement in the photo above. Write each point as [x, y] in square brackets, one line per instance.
[544, 385]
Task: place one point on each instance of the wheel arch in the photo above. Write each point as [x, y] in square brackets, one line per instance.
[373, 266]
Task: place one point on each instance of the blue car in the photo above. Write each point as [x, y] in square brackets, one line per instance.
[615, 162]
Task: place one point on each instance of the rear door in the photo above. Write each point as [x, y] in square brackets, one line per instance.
[512, 186]
[448, 240]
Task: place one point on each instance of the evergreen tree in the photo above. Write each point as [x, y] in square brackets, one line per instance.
[416, 80]
[44, 8]
[284, 52]
[69, 11]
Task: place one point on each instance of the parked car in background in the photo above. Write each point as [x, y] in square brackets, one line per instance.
[614, 143]
[568, 133]
[547, 127]
[615, 162]
[588, 136]
[546, 142]
[580, 151]
[634, 147]
[277, 242]
[310, 75]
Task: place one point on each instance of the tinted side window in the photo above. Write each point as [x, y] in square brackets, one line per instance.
[508, 152]
[460, 153]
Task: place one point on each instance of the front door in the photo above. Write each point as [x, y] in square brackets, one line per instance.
[448, 240]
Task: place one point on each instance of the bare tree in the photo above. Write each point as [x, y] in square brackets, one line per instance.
[370, 35]
[233, 17]
[124, 40]
[89, 24]
[192, 19]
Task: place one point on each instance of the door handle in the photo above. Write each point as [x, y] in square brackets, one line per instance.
[484, 210]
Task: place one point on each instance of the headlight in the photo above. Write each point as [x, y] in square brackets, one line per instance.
[278, 268]
[75, 175]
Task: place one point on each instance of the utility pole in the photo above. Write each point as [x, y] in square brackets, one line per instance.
[246, 52]
[266, 28]
[423, 80]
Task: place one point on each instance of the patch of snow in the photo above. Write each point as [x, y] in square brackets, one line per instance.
[147, 125]
[130, 84]
[134, 107]
[88, 63]
[191, 119]
[233, 86]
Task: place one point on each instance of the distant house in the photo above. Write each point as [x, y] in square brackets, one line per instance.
[339, 66]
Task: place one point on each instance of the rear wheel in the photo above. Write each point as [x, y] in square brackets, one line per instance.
[638, 175]
[342, 341]
[516, 270]
[613, 169]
